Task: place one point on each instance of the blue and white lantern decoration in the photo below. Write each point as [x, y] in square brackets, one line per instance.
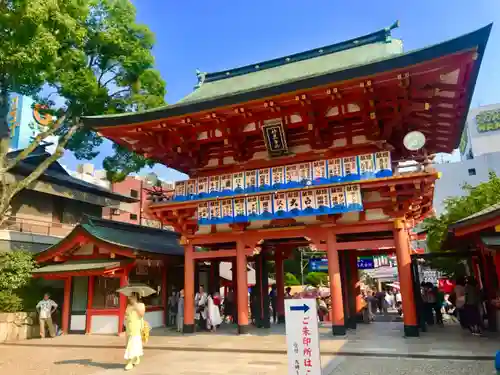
[202, 187]
[307, 202]
[252, 207]
[180, 191]
[265, 179]
[215, 212]
[293, 203]
[321, 201]
[337, 199]
[226, 184]
[366, 166]
[335, 172]
[279, 204]
[319, 172]
[227, 210]
[292, 176]
[278, 177]
[251, 181]
[192, 190]
[351, 169]
[353, 198]
[214, 186]
[238, 182]
[305, 174]
[240, 212]
[383, 166]
[203, 213]
[265, 206]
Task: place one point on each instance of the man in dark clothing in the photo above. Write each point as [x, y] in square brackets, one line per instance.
[273, 299]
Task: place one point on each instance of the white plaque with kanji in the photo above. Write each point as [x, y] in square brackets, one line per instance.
[350, 165]
[293, 200]
[239, 207]
[278, 175]
[265, 177]
[180, 188]
[265, 204]
[226, 182]
[227, 208]
[214, 184]
[334, 168]
[319, 169]
[215, 211]
[279, 202]
[251, 179]
[292, 173]
[202, 185]
[383, 160]
[203, 211]
[302, 337]
[366, 163]
[308, 200]
[191, 187]
[252, 206]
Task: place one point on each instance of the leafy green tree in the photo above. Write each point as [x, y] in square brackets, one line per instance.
[316, 278]
[290, 279]
[16, 269]
[456, 208]
[90, 57]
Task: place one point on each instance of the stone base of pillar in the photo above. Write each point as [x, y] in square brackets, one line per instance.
[281, 319]
[243, 330]
[339, 330]
[411, 331]
[188, 328]
[351, 323]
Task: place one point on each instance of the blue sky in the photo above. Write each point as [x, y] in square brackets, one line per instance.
[222, 34]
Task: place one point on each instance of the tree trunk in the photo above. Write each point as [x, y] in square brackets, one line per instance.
[4, 149]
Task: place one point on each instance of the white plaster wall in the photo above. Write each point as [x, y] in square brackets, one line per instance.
[481, 143]
[104, 324]
[154, 318]
[77, 322]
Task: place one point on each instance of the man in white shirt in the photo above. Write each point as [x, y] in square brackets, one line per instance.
[200, 304]
[45, 308]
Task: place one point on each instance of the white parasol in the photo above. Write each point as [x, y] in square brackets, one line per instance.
[142, 290]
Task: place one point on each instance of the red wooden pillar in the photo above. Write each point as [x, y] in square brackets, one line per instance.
[403, 257]
[280, 284]
[497, 266]
[90, 302]
[188, 289]
[123, 301]
[164, 294]
[234, 286]
[338, 323]
[66, 305]
[242, 287]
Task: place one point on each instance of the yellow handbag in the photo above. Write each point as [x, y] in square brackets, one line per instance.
[146, 328]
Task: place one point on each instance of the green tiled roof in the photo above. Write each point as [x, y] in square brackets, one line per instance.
[365, 56]
[487, 213]
[491, 240]
[75, 266]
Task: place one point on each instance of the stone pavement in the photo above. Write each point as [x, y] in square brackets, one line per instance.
[380, 345]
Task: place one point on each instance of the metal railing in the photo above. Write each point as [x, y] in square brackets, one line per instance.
[33, 226]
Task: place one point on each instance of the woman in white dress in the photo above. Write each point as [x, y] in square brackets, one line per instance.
[213, 315]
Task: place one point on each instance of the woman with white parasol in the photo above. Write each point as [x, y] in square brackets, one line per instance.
[135, 327]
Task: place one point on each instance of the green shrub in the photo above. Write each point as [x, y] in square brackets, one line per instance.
[290, 279]
[317, 278]
[10, 302]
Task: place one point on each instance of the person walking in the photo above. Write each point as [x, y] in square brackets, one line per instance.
[200, 303]
[458, 299]
[45, 308]
[213, 314]
[134, 322]
[472, 306]
[273, 299]
[180, 312]
[172, 308]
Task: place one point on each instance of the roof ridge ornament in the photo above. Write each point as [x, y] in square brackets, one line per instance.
[201, 78]
[395, 25]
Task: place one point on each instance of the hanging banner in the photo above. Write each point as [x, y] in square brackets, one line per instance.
[203, 213]
[278, 175]
[265, 206]
[215, 212]
[337, 199]
[319, 172]
[252, 204]
[202, 186]
[350, 166]
[251, 181]
[293, 203]
[264, 179]
[238, 182]
[367, 166]
[292, 176]
[180, 190]
[191, 187]
[307, 201]
[335, 170]
[353, 198]
[383, 164]
[226, 184]
[305, 173]
[213, 185]
[279, 204]
[321, 201]
[240, 212]
[227, 210]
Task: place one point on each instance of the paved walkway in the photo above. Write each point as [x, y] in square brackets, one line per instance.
[261, 352]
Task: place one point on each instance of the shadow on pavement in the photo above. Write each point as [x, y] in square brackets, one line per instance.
[90, 363]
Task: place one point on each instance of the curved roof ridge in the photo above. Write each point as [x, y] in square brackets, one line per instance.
[376, 37]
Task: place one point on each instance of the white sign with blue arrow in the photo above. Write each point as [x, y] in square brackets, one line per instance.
[302, 337]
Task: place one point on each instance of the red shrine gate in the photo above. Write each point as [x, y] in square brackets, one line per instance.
[306, 150]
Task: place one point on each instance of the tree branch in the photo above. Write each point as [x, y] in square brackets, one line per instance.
[34, 144]
[109, 80]
[104, 71]
[119, 92]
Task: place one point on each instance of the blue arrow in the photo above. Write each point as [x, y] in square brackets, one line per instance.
[303, 308]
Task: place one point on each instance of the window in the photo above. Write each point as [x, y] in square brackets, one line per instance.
[105, 295]
[133, 216]
[149, 273]
[472, 171]
[134, 193]
[115, 211]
